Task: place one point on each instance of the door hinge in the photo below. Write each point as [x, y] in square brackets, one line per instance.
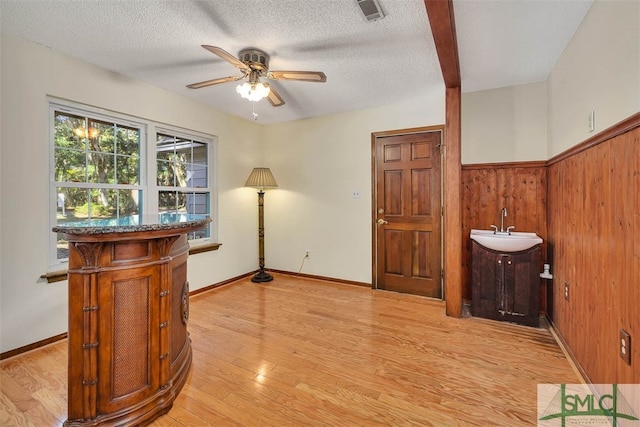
[442, 273]
[442, 211]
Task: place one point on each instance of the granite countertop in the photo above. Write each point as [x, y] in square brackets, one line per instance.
[133, 224]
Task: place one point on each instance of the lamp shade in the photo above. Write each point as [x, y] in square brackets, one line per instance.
[261, 178]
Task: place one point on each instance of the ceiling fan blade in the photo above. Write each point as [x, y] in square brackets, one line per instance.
[226, 56]
[305, 76]
[213, 82]
[273, 96]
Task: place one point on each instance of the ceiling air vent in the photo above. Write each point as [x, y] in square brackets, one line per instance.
[371, 9]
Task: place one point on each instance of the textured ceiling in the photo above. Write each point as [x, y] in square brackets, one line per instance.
[508, 42]
[367, 64]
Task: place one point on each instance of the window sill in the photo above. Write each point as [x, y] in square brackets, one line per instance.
[55, 276]
[61, 275]
[196, 249]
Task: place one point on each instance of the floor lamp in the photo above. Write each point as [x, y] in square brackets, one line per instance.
[261, 178]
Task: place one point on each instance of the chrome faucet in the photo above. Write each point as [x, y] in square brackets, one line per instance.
[503, 214]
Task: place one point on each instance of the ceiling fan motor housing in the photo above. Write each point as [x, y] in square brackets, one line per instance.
[256, 60]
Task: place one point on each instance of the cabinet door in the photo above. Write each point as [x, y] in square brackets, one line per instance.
[504, 282]
[521, 285]
[506, 286]
[486, 273]
[128, 333]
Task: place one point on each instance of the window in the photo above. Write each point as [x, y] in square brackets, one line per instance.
[182, 177]
[107, 167]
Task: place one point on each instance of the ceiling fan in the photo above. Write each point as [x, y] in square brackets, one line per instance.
[254, 64]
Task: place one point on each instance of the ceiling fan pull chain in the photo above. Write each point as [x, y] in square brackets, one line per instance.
[253, 107]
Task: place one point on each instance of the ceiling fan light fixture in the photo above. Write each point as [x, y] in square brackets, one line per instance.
[253, 91]
[254, 65]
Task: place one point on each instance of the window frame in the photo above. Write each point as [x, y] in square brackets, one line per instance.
[152, 165]
[147, 163]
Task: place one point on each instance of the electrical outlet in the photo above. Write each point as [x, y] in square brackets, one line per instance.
[566, 291]
[625, 346]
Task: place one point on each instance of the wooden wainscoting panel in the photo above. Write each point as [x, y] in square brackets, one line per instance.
[594, 227]
[625, 284]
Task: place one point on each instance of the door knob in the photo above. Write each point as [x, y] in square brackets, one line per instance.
[382, 221]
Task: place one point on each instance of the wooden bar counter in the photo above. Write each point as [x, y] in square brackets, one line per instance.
[129, 349]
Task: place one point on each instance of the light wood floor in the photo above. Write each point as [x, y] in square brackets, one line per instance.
[306, 352]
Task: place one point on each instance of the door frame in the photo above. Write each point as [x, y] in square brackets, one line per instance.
[374, 201]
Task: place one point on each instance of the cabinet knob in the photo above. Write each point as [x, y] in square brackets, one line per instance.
[499, 261]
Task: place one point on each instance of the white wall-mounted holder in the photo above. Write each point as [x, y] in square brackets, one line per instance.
[546, 273]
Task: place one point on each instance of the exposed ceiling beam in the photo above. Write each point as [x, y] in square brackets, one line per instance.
[443, 27]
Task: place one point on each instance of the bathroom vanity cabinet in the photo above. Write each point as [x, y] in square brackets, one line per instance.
[506, 286]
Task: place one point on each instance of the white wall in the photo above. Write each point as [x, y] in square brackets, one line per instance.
[306, 212]
[318, 164]
[31, 309]
[599, 70]
[505, 125]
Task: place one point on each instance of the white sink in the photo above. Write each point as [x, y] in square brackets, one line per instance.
[514, 242]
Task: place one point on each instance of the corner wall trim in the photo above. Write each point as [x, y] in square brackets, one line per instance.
[217, 285]
[573, 361]
[507, 165]
[60, 337]
[32, 346]
[313, 276]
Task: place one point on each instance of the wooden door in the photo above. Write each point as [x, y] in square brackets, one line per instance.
[407, 213]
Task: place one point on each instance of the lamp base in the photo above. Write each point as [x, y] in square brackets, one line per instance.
[262, 276]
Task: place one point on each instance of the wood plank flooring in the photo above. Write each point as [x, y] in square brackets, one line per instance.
[305, 352]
